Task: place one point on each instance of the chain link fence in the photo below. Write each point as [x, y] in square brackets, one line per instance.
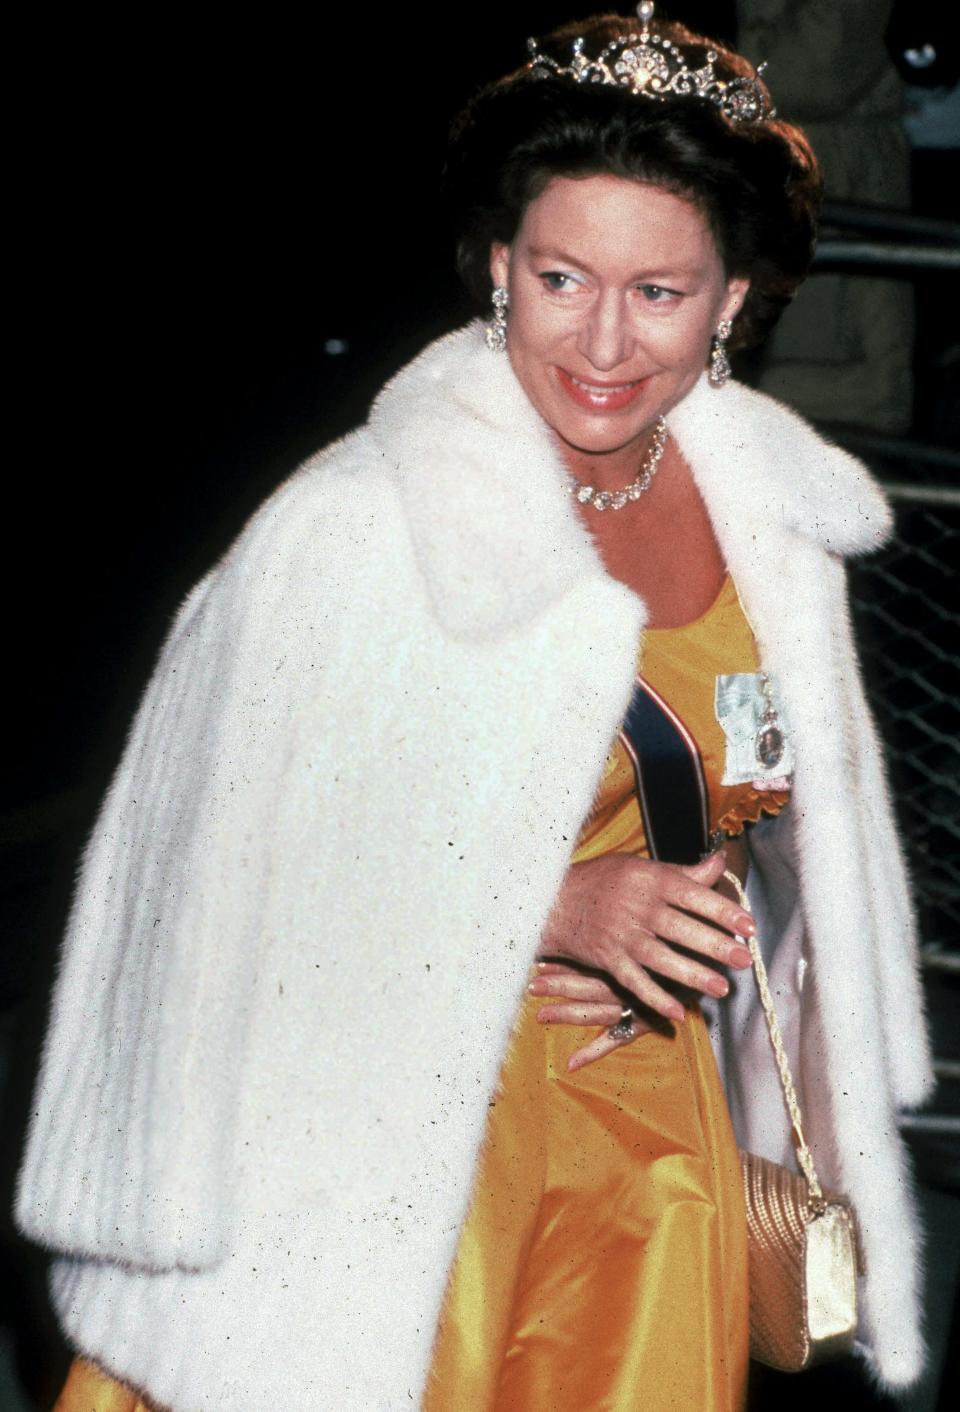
[909, 628]
[905, 605]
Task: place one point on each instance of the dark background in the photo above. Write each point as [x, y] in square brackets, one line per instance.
[209, 201]
[212, 201]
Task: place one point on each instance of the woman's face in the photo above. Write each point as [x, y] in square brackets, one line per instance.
[615, 290]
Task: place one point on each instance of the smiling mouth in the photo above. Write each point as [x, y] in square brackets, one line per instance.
[598, 396]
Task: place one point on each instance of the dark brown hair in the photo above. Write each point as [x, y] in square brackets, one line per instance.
[757, 183]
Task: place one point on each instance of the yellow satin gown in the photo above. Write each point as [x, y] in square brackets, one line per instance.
[602, 1267]
[88, 1389]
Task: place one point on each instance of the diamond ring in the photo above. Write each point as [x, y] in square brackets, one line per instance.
[624, 1028]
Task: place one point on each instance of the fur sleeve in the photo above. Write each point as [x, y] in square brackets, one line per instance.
[128, 1147]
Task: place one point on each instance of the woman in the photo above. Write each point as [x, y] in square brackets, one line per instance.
[351, 814]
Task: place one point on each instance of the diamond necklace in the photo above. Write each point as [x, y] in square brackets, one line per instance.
[616, 499]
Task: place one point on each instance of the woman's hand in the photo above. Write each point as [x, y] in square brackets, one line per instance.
[625, 916]
[590, 1001]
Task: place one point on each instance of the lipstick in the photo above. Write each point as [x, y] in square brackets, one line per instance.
[598, 396]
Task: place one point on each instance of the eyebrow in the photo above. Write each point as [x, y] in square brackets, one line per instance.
[552, 252]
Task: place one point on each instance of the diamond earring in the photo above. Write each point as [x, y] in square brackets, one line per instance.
[719, 362]
[497, 328]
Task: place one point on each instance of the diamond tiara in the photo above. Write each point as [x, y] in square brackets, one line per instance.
[650, 66]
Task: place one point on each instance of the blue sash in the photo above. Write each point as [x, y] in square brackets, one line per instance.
[671, 787]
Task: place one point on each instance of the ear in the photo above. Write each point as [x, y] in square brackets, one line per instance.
[499, 263]
[734, 297]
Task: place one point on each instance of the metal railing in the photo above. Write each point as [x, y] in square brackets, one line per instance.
[870, 240]
[904, 601]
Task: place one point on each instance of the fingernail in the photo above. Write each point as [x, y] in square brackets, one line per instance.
[746, 925]
[678, 1014]
[718, 987]
[739, 956]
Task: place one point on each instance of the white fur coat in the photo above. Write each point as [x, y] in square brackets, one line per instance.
[318, 880]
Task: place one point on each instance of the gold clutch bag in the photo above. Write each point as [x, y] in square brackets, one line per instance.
[801, 1241]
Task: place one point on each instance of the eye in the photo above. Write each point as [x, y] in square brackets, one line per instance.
[658, 294]
[559, 282]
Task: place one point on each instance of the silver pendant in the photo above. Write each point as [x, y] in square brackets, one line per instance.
[770, 742]
[770, 745]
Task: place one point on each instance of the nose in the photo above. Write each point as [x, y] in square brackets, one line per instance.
[606, 336]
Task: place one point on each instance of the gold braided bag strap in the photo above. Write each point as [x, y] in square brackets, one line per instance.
[801, 1242]
[804, 1156]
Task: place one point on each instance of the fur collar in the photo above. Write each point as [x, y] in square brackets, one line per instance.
[484, 488]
